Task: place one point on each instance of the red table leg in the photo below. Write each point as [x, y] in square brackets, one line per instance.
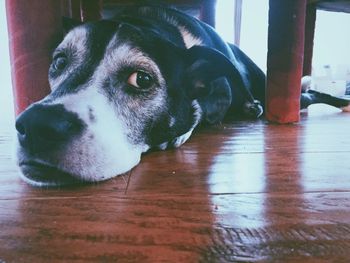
[34, 30]
[285, 60]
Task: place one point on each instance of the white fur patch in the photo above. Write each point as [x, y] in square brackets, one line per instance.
[197, 113]
[189, 39]
[104, 150]
[306, 83]
[163, 146]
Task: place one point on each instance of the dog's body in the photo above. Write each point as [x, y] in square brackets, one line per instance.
[122, 87]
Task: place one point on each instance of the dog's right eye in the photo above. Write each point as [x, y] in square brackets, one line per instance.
[140, 80]
[59, 62]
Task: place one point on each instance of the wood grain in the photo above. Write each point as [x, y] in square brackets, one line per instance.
[237, 192]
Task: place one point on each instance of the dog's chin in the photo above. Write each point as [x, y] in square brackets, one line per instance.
[43, 175]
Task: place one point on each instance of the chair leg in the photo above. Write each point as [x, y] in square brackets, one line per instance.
[90, 10]
[33, 34]
[309, 38]
[207, 12]
[285, 60]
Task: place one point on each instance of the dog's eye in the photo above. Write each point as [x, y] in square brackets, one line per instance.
[59, 62]
[140, 79]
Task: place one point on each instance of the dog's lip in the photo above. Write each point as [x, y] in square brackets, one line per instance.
[43, 174]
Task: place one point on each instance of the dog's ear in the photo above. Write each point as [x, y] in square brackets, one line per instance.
[69, 23]
[209, 77]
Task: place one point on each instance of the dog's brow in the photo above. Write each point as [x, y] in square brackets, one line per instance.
[125, 55]
[76, 39]
[75, 43]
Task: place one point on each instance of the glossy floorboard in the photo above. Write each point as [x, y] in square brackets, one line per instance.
[239, 192]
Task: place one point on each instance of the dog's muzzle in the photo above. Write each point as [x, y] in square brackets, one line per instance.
[42, 129]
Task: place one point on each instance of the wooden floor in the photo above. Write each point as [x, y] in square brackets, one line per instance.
[240, 192]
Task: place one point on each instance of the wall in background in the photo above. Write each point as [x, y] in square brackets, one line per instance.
[331, 59]
[254, 27]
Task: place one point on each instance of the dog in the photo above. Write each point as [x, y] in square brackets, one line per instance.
[120, 87]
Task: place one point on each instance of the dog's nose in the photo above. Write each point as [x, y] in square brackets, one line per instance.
[42, 127]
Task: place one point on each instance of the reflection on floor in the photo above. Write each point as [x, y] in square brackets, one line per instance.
[245, 191]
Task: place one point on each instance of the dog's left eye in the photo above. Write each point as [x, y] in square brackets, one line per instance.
[59, 62]
[140, 79]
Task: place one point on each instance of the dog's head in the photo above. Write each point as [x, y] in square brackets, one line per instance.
[117, 90]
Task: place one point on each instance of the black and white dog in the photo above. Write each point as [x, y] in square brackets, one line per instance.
[119, 88]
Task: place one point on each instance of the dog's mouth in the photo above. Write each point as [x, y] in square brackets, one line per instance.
[46, 175]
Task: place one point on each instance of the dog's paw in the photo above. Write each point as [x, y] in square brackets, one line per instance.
[253, 109]
[176, 142]
[163, 146]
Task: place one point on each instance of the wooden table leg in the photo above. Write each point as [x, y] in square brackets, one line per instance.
[285, 60]
[34, 30]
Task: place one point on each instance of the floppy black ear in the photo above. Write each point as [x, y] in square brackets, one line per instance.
[69, 23]
[210, 75]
